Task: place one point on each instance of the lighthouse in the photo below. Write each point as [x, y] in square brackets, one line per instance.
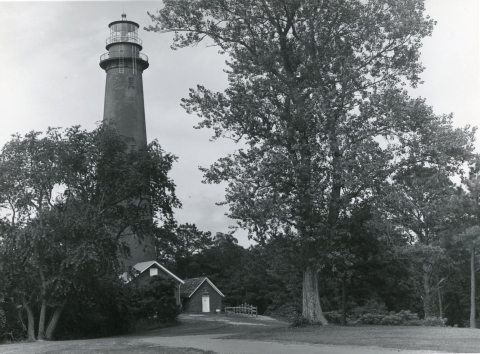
[124, 107]
[124, 65]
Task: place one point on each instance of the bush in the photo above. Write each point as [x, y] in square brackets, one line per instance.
[93, 315]
[292, 312]
[11, 327]
[375, 313]
[402, 318]
[155, 302]
[434, 321]
[289, 312]
[299, 321]
[334, 317]
[117, 308]
[372, 306]
[370, 318]
[3, 320]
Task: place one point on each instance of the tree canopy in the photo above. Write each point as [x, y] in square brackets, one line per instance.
[68, 198]
[316, 93]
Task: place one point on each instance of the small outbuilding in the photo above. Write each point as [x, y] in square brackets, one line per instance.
[152, 268]
[200, 295]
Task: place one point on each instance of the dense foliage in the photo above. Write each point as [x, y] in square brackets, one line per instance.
[316, 95]
[120, 308]
[380, 286]
[154, 302]
[67, 198]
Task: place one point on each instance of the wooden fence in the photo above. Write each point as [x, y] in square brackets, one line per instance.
[243, 309]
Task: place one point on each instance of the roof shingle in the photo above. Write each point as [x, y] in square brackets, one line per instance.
[191, 285]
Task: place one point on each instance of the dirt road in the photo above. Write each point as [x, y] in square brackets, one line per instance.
[216, 344]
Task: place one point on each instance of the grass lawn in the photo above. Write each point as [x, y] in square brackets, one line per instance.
[94, 346]
[440, 339]
[445, 339]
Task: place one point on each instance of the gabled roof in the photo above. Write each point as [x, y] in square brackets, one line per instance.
[191, 285]
[143, 266]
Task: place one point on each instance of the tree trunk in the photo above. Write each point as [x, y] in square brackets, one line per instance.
[426, 290]
[53, 323]
[440, 303]
[344, 299]
[312, 311]
[31, 321]
[472, 288]
[41, 320]
[43, 295]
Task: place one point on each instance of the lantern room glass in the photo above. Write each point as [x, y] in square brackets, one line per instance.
[123, 32]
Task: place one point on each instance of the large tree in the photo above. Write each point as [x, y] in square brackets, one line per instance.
[418, 206]
[467, 233]
[315, 94]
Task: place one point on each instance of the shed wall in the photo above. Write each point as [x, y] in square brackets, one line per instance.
[194, 303]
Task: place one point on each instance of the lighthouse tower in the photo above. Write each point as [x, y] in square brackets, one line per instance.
[124, 65]
[124, 105]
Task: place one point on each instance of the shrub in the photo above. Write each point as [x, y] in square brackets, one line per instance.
[434, 321]
[289, 311]
[334, 317]
[118, 308]
[375, 313]
[11, 327]
[372, 306]
[3, 319]
[155, 302]
[97, 316]
[402, 318]
[370, 318]
[299, 321]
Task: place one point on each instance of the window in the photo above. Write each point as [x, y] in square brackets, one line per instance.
[153, 271]
[131, 82]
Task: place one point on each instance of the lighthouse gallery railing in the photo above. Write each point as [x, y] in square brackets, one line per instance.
[126, 54]
[118, 39]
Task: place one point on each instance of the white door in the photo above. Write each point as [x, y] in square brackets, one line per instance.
[205, 303]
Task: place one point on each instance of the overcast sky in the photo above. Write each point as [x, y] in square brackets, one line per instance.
[49, 76]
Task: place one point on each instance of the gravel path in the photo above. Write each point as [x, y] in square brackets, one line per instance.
[219, 343]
